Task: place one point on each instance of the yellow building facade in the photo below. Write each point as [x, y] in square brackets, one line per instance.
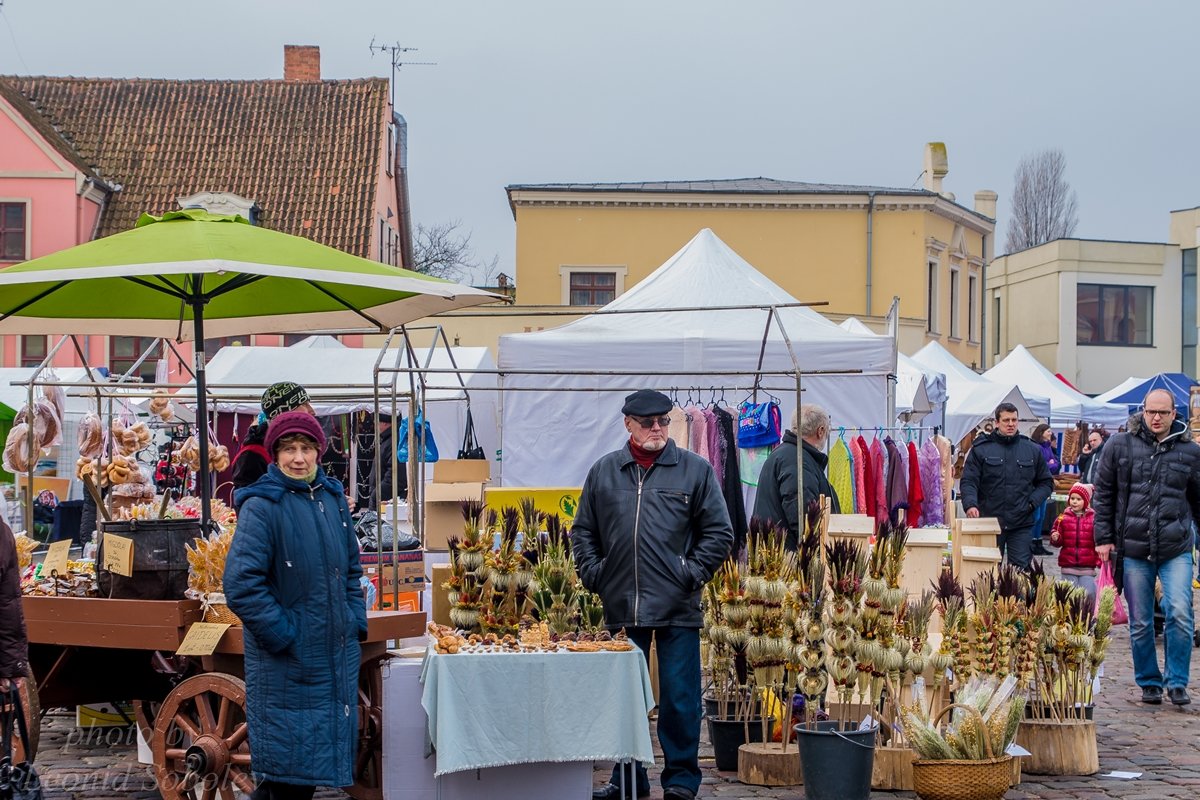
[852, 247]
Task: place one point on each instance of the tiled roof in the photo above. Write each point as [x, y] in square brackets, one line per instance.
[729, 186]
[47, 131]
[307, 153]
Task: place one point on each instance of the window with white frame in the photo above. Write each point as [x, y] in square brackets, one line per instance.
[955, 305]
[591, 285]
[13, 227]
[931, 297]
[973, 308]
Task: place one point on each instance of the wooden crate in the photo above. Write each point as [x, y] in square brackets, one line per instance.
[923, 559]
[979, 532]
[851, 526]
[972, 561]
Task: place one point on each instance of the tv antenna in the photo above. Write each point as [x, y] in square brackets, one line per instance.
[397, 54]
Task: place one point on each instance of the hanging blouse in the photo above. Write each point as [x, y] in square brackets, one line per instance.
[933, 508]
[880, 467]
[678, 429]
[715, 454]
[897, 477]
[859, 459]
[699, 433]
[916, 493]
[750, 462]
[943, 446]
[838, 471]
[869, 467]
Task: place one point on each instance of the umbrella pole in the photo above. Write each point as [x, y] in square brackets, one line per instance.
[202, 475]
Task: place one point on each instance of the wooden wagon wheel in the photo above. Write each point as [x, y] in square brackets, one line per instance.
[33, 720]
[199, 744]
[368, 758]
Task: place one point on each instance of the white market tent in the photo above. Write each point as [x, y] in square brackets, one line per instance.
[341, 380]
[919, 390]
[1067, 406]
[554, 434]
[972, 398]
[1120, 389]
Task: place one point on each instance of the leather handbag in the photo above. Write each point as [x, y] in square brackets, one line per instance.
[17, 781]
[471, 449]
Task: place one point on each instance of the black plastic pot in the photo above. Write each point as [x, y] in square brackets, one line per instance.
[836, 761]
[727, 735]
[711, 706]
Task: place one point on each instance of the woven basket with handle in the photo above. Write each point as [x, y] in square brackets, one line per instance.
[215, 610]
[987, 779]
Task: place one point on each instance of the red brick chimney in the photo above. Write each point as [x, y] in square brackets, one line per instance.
[301, 63]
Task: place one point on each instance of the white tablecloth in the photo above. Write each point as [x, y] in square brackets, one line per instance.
[495, 709]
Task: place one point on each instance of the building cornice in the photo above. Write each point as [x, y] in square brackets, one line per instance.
[533, 198]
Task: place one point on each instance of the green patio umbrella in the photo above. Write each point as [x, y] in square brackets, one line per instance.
[191, 274]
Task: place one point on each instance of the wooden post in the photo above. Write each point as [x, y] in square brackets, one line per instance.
[769, 764]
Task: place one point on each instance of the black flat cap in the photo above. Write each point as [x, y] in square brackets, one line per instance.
[646, 403]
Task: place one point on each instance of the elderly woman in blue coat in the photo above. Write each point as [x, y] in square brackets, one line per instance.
[292, 575]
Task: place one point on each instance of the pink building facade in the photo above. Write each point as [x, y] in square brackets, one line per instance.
[60, 186]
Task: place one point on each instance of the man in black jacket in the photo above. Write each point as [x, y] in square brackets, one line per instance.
[777, 490]
[1147, 497]
[650, 531]
[1005, 476]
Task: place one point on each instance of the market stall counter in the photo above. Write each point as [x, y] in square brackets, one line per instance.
[506, 708]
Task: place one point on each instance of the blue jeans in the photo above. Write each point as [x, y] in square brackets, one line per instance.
[679, 705]
[1039, 522]
[1017, 546]
[1176, 577]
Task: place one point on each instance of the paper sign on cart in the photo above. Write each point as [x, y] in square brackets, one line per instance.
[118, 554]
[202, 639]
[56, 558]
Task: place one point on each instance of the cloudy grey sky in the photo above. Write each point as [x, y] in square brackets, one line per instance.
[532, 91]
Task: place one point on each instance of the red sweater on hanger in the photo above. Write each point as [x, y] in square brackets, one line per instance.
[869, 470]
[916, 494]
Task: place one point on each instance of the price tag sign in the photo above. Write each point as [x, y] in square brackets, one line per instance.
[202, 639]
[56, 558]
[118, 554]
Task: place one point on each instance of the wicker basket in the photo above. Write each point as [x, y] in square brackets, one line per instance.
[215, 610]
[987, 779]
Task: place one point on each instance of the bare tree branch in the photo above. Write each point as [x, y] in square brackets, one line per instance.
[440, 250]
[1044, 205]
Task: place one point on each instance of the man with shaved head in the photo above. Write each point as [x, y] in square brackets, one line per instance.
[1147, 496]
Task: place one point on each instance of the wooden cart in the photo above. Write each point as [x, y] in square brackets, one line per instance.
[191, 710]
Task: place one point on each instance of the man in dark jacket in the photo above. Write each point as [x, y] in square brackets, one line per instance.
[1006, 476]
[650, 531]
[252, 458]
[1147, 496]
[777, 489]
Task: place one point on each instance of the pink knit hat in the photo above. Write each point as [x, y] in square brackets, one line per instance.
[295, 422]
[1084, 490]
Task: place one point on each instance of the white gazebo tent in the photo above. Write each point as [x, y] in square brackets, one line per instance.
[1067, 406]
[920, 391]
[972, 398]
[703, 319]
[341, 380]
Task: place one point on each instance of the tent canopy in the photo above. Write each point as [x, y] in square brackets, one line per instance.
[554, 436]
[1178, 384]
[1067, 406]
[919, 390]
[961, 379]
[341, 380]
[12, 398]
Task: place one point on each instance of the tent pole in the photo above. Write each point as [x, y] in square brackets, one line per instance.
[196, 301]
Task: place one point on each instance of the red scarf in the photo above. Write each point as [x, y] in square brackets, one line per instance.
[644, 458]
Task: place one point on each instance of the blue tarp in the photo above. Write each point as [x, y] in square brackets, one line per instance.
[1176, 383]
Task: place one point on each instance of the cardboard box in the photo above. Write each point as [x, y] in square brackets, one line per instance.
[443, 515]
[440, 605]
[561, 500]
[404, 601]
[408, 573]
[464, 471]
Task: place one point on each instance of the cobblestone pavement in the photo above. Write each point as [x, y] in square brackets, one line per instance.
[1161, 742]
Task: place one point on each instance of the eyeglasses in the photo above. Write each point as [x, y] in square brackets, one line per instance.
[648, 422]
[1155, 412]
